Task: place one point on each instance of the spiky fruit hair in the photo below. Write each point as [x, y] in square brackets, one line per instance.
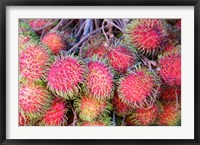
[94, 47]
[54, 41]
[91, 109]
[170, 115]
[99, 80]
[56, 115]
[170, 94]
[121, 58]
[138, 88]
[120, 108]
[34, 61]
[169, 64]
[34, 100]
[146, 35]
[23, 120]
[143, 117]
[65, 76]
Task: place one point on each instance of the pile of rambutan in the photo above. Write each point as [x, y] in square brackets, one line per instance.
[82, 72]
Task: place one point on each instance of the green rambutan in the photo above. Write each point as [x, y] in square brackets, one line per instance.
[56, 115]
[120, 58]
[170, 115]
[169, 64]
[143, 117]
[146, 35]
[65, 75]
[54, 41]
[91, 109]
[34, 100]
[99, 80]
[34, 61]
[139, 88]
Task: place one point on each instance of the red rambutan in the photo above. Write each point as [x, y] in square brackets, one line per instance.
[146, 35]
[170, 94]
[91, 109]
[34, 100]
[99, 80]
[170, 114]
[143, 117]
[56, 115]
[54, 41]
[65, 76]
[120, 58]
[34, 61]
[169, 64]
[139, 88]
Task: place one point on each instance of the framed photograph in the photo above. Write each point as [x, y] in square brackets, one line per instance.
[99, 72]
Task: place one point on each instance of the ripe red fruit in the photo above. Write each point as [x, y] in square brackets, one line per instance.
[54, 41]
[99, 80]
[55, 116]
[120, 59]
[143, 117]
[170, 94]
[170, 67]
[65, 75]
[34, 100]
[170, 115]
[147, 35]
[34, 61]
[137, 87]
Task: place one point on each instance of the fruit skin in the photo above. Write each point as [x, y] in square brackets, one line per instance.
[121, 58]
[143, 117]
[23, 120]
[147, 35]
[55, 116]
[91, 109]
[138, 88]
[170, 115]
[54, 41]
[120, 108]
[98, 80]
[169, 64]
[170, 94]
[34, 100]
[34, 62]
[65, 76]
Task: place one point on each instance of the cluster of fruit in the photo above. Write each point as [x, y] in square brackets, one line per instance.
[130, 79]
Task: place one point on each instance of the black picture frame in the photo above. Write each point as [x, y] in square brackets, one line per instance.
[5, 3]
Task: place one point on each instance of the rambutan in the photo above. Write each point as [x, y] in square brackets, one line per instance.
[169, 64]
[120, 58]
[103, 121]
[170, 115]
[99, 80]
[65, 75]
[56, 115]
[23, 120]
[54, 41]
[91, 109]
[139, 88]
[146, 35]
[143, 117]
[120, 108]
[23, 40]
[170, 94]
[34, 61]
[34, 100]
